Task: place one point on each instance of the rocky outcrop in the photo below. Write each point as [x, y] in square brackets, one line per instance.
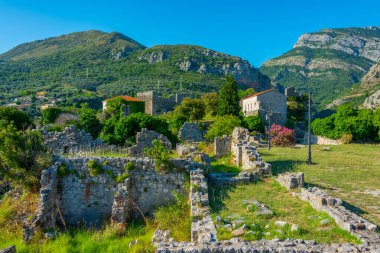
[351, 43]
[327, 61]
[372, 77]
[373, 101]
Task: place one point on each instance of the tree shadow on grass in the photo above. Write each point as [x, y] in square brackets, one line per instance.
[283, 166]
[217, 193]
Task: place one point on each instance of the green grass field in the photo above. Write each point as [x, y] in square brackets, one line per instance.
[350, 172]
[228, 204]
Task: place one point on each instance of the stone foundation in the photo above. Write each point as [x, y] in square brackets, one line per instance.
[222, 145]
[346, 219]
[291, 180]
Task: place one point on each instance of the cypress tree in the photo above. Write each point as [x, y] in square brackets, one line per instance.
[229, 98]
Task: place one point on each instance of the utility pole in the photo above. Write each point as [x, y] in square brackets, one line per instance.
[269, 115]
[309, 132]
[180, 84]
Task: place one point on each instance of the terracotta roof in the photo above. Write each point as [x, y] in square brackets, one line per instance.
[257, 94]
[127, 98]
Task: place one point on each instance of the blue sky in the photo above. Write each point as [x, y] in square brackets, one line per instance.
[254, 30]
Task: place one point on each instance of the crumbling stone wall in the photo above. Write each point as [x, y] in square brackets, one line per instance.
[85, 197]
[222, 145]
[202, 227]
[191, 132]
[346, 219]
[144, 139]
[245, 152]
[291, 180]
[70, 140]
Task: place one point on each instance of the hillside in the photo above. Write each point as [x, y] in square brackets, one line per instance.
[90, 65]
[328, 62]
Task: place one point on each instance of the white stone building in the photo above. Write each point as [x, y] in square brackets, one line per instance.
[264, 102]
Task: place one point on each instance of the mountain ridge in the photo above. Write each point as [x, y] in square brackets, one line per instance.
[101, 64]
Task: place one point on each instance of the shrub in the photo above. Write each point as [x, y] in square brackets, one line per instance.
[22, 156]
[254, 123]
[282, 136]
[129, 166]
[49, 115]
[121, 178]
[18, 118]
[123, 131]
[95, 168]
[63, 171]
[211, 101]
[161, 156]
[346, 138]
[223, 125]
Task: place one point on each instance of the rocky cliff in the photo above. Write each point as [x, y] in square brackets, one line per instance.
[328, 62]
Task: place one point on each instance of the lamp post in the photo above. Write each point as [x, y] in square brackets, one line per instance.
[309, 131]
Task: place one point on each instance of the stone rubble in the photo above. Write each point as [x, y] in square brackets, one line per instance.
[144, 139]
[291, 180]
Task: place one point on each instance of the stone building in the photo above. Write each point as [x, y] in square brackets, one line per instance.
[265, 102]
[156, 104]
[132, 104]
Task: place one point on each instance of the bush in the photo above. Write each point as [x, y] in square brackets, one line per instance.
[49, 115]
[282, 136]
[223, 125]
[22, 156]
[18, 118]
[121, 178]
[211, 101]
[95, 168]
[161, 156]
[347, 120]
[123, 131]
[254, 123]
[346, 138]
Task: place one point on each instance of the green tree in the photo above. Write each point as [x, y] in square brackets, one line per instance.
[247, 92]
[123, 131]
[10, 114]
[22, 156]
[211, 101]
[254, 123]
[88, 121]
[229, 98]
[376, 123]
[188, 110]
[49, 115]
[223, 125]
[161, 156]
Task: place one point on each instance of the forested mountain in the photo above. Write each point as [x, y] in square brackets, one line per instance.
[90, 65]
[328, 62]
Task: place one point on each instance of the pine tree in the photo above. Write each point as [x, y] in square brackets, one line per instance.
[229, 98]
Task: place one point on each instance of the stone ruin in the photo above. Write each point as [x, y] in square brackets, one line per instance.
[70, 140]
[291, 180]
[193, 131]
[82, 195]
[145, 138]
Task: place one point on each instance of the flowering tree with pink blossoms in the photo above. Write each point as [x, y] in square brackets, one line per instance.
[282, 136]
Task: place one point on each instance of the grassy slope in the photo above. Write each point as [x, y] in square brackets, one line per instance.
[285, 208]
[350, 172]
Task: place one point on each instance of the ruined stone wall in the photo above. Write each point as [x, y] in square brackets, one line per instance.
[291, 180]
[70, 140]
[144, 139]
[192, 132]
[155, 104]
[222, 145]
[346, 219]
[245, 152]
[84, 196]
